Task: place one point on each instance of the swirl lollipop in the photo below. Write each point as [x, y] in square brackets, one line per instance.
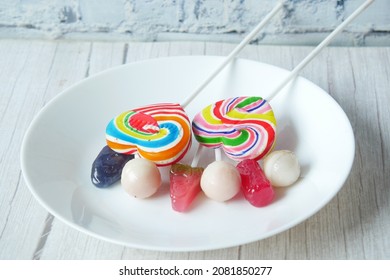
[160, 133]
[244, 127]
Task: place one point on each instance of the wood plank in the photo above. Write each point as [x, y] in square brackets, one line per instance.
[342, 87]
[186, 48]
[23, 78]
[106, 55]
[138, 51]
[371, 179]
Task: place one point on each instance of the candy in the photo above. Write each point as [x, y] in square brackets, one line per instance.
[282, 168]
[244, 127]
[220, 181]
[184, 185]
[255, 186]
[107, 167]
[141, 178]
[160, 133]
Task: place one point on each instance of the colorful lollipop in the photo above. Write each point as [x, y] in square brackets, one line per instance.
[160, 133]
[244, 127]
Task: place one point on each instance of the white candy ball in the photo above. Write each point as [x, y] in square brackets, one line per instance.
[281, 168]
[140, 178]
[220, 181]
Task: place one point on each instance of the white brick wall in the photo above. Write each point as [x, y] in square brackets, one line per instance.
[301, 22]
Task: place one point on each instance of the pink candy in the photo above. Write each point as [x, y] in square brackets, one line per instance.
[255, 186]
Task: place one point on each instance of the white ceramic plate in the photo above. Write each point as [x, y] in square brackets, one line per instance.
[66, 136]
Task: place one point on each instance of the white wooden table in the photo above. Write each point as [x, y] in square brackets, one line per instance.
[354, 225]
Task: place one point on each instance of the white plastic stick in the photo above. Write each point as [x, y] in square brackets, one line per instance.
[196, 158]
[314, 52]
[233, 54]
[218, 154]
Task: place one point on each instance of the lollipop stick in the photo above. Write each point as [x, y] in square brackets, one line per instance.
[218, 154]
[230, 57]
[196, 158]
[314, 52]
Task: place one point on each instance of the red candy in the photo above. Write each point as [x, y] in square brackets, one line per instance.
[256, 187]
[184, 185]
[144, 123]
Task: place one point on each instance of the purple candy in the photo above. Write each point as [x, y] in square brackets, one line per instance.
[107, 167]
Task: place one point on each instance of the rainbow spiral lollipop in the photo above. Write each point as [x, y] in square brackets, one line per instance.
[160, 133]
[244, 127]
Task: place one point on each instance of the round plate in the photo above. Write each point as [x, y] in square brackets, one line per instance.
[66, 136]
